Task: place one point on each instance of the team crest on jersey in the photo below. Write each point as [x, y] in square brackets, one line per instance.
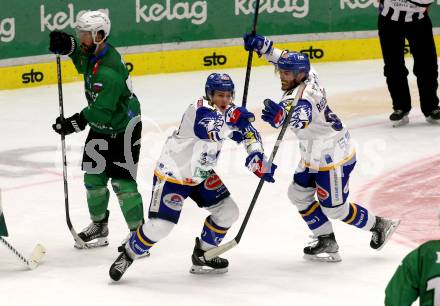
[199, 103]
[173, 201]
[213, 182]
[322, 193]
[97, 87]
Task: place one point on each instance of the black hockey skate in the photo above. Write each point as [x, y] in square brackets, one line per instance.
[399, 118]
[97, 231]
[121, 264]
[202, 266]
[382, 231]
[324, 248]
[434, 117]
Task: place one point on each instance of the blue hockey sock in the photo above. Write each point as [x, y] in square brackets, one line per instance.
[139, 243]
[213, 234]
[357, 216]
[314, 216]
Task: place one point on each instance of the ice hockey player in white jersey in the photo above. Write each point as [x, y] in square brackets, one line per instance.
[327, 154]
[185, 169]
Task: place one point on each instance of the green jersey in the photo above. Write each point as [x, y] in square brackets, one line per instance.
[417, 276]
[111, 102]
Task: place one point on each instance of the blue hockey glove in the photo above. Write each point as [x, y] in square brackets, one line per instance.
[273, 113]
[237, 136]
[239, 117]
[67, 126]
[257, 163]
[257, 43]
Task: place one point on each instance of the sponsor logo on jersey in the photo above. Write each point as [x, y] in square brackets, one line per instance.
[7, 29]
[61, 20]
[97, 87]
[322, 193]
[173, 201]
[197, 12]
[213, 182]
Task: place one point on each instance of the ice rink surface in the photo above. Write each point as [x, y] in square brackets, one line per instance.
[397, 175]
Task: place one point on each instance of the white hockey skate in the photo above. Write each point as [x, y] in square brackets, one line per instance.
[382, 231]
[323, 248]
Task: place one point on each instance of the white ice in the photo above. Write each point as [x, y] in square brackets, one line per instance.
[266, 268]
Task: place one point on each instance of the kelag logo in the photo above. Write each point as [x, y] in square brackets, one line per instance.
[214, 60]
[7, 29]
[32, 77]
[313, 53]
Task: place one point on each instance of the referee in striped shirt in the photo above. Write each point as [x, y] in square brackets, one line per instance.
[400, 19]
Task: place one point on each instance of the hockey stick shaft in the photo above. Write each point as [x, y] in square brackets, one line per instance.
[229, 245]
[63, 151]
[249, 63]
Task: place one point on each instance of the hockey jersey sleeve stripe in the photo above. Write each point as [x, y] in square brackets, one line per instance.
[350, 157]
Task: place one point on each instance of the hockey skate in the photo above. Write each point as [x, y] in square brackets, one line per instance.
[434, 117]
[382, 231]
[323, 248]
[399, 118]
[121, 264]
[95, 235]
[200, 265]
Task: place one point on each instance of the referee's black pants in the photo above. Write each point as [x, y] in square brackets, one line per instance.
[419, 34]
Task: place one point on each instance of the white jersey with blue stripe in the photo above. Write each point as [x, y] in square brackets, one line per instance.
[323, 139]
[193, 149]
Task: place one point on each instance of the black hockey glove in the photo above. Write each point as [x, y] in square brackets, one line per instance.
[61, 43]
[67, 126]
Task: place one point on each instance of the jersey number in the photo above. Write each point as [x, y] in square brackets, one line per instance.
[434, 284]
[332, 118]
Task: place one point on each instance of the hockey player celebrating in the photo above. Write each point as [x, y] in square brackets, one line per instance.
[327, 155]
[113, 113]
[185, 169]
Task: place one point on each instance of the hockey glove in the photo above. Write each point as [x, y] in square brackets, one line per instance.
[273, 113]
[67, 126]
[61, 43]
[237, 136]
[256, 163]
[257, 43]
[239, 117]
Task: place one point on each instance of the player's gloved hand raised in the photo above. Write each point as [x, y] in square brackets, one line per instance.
[273, 113]
[237, 136]
[61, 43]
[240, 117]
[257, 43]
[67, 126]
[257, 163]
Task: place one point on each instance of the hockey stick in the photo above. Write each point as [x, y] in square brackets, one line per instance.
[77, 239]
[249, 63]
[229, 245]
[35, 258]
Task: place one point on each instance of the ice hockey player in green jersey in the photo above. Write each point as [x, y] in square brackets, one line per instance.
[113, 114]
[418, 276]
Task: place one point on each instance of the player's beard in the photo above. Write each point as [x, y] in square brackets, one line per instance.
[88, 50]
[287, 85]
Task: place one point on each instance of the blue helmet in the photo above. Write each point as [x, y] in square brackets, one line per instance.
[294, 61]
[219, 82]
